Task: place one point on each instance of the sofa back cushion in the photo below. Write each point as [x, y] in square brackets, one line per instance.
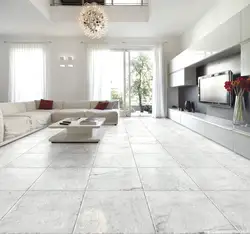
[30, 106]
[1, 127]
[77, 105]
[12, 108]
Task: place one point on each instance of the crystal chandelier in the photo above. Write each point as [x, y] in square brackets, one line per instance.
[93, 20]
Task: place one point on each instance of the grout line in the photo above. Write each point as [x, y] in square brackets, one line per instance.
[26, 191]
[150, 214]
[85, 191]
[183, 168]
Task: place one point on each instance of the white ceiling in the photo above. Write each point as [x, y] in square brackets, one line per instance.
[167, 18]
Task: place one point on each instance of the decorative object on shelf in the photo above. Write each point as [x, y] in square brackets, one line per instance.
[93, 20]
[239, 87]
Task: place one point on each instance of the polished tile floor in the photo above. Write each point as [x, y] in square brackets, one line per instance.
[146, 176]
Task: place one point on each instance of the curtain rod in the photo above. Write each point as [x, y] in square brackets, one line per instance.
[27, 42]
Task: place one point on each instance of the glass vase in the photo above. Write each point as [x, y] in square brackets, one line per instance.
[239, 111]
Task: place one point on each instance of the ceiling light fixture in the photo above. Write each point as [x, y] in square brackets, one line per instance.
[93, 20]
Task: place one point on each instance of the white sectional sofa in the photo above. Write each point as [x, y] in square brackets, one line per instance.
[20, 119]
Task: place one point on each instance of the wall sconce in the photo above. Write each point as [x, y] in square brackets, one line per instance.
[62, 65]
[70, 58]
[70, 65]
[63, 58]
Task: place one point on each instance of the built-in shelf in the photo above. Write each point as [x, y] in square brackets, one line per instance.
[222, 131]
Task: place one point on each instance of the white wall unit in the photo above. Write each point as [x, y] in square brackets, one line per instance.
[245, 19]
[183, 77]
[218, 130]
[241, 145]
[245, 58]
[193, 123]
[224, 37]
[174, 115]
[220, 135]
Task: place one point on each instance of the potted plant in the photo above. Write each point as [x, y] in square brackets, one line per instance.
[238, 87]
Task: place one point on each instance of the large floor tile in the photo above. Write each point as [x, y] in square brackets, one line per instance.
[114, 179]
[6, 158]
[18, 178]
[31, 160]
[181, 150]
[155, 160]
[114, 149]
[235, 205]
[166, 179]
[148, 149]
[73, 160]
[231, 160]
[114, 160]
[186, 212]
[244, 173]
[63, 179]
[7, 200]
[198, 159]
[114, 212]
[43, 212]
[217, 179]
[80, 148]
[48, 148]
[143, 140]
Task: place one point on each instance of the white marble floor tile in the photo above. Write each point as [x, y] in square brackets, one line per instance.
[198, 159]
[47, 147]
[148, 149]
[73, 160]
[114, 149]
[18, 178]
[114, 212]
[6, 158]
[244, 173]
[218, 179]
[114, 160]
[126, 179]
[155, 160]
[43, 212]
[63, 179]
[231, 160]
[175, 150]
[143, 140]
[235, 205]
[31, 160]
[80, 148]
[7, 200]
[171, 179]
[186, 212]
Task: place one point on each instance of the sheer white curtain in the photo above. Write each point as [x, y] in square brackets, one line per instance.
[27, 72]
[99, 80]
[159, 97]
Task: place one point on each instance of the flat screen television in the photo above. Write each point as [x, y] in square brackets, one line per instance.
[211, 88]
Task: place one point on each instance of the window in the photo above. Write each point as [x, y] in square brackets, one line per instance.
[27, 72]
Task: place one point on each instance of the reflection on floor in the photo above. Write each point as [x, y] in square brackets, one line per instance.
[146, 176]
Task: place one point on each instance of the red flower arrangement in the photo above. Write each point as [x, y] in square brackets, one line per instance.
[238, 86]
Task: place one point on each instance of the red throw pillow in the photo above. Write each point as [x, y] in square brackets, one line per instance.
[101, 105]
[46, 104]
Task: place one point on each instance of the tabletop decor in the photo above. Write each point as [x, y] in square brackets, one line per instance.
[239, 87]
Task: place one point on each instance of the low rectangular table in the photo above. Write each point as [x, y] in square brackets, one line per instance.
[77, 131]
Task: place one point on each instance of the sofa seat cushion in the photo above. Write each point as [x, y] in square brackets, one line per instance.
[67, 113]
[15, 126]
[110, 115]
[39, 118]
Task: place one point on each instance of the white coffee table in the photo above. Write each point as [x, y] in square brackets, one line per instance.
[77, 131]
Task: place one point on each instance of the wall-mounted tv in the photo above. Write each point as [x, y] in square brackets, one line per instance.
[211, 88]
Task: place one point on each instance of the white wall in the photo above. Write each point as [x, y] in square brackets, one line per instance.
[62, 83]
[219, 14]
[70, 83]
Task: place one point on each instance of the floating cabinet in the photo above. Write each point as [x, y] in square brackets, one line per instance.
[245, 59]
[183, 77]
[224, 37]
[245, 19]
